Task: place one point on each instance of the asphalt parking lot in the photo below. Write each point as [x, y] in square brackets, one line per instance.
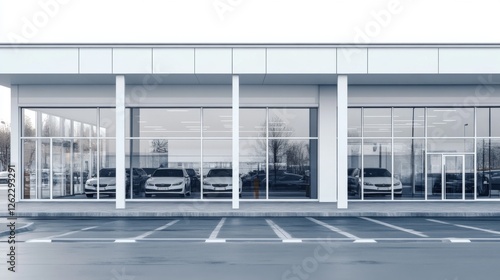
[262, 229]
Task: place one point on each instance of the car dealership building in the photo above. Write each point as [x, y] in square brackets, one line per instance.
[327, 123]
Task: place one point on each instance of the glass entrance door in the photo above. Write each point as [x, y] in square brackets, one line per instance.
[453, 177]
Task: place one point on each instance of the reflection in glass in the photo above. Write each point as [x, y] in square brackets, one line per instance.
[165, 122]
[217, 122]
[107, 122]
[409, 167]
[377, 160]
[253, 168]
[150, 155]
[290, 122]
[354, 169]
[354, 122]
[450, 122]
[488, 168]
[252, 122]
[217, 159]
[377, 122]
[409, 122]
[290, 172]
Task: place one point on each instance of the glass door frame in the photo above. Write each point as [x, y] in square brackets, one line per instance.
[444, 172]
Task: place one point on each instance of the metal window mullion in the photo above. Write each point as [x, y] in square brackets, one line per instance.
[267, 152]
[362, 154]
[474, 164]
[51, 186]
[463, 177]
[201, 153]
[392, 155]
[98, 152]
[425, 154]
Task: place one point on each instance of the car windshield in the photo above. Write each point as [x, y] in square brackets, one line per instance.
[168, 173]
[376, 172]
[107, 173]
[220, 173]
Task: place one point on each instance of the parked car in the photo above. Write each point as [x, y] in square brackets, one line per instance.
[454, 183]
[195, 179]
[377, 181]
[107, 182]
[287, 182]
[4, 179]
[168, 181]
[219, 181]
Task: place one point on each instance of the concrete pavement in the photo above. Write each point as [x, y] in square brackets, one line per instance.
[253, 209]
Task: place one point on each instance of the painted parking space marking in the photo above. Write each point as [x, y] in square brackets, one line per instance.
[467, 227]
[410, 231]
[39, 241]
[125, 240]
[459, 240]
[213, 236]
[281, 233]
[334, 229]
[61, 235]
[142, 236]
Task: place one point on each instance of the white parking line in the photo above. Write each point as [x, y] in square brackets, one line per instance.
[217, 229]
[125, 240]
[155, 230]
[281, 233]
[59, 235]
[39, 241]
[332, 228]
[464, 226]
[459, 240]
[410, 231]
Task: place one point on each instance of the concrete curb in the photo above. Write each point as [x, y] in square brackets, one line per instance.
[24, 228]
[135, 214]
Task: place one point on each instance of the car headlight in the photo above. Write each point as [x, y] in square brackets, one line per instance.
[89, 184]
[397, 183]
[206, 183]
[177, 184]
[367, 184]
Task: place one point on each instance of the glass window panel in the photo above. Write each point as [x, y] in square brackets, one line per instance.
[165, 122]
[252, 122]
[292, 168]
[61, 167]
[450, 122]
[377, 122]
[450, 145]
[217, 169]
[354, 122]
[377, 170]
[107, 122]
[31, 172]
[290, 123]
[217, 122]
[409, 168]
[488, 168]
[107, 162]
[148, 156]
[483, 122]
[253, 168]
[29, 118]
[354, 169]
[409, 122]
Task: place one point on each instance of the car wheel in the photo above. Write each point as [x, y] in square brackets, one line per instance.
[89, 195]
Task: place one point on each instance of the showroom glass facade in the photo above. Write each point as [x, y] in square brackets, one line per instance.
[423, 153]
[69, 153]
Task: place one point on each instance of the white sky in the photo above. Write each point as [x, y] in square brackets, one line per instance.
[247, 21]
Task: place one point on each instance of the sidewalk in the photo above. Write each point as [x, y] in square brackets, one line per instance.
[255, 209]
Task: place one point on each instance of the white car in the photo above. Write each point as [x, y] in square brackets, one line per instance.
[168, 181]
[379, 180]
[219, 180]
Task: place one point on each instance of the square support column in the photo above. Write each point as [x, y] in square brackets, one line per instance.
[236, 141]
[15, 136]
[342, 157]
[327, 154]
[120, 142]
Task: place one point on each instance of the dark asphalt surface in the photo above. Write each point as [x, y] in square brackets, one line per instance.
[257, 248]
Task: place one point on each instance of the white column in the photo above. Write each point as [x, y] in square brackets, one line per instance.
[327, 148]
[342, 156]
[15, 130]
[120, 142]
[236, 142]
